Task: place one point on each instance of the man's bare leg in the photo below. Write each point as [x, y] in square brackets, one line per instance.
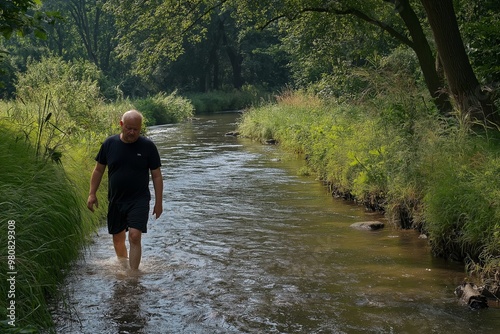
[119, 244]
[134, 238]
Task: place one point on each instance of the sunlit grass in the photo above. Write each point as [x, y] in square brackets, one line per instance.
[49, 227]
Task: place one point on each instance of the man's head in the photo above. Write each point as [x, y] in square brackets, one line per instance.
[131, 124]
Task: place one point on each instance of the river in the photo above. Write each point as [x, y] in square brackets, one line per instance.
[245, 245]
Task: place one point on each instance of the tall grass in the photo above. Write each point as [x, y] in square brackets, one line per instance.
[49, 227]
[462, 207]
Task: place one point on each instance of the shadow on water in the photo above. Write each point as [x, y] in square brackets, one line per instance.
[246, 246]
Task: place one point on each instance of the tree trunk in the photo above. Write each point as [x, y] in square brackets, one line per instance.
[473, 103]
[80, 14]
[236, 59]
[433, 80]
[418, 43]
[215, 74]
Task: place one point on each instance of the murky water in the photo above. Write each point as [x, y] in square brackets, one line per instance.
[247, 246]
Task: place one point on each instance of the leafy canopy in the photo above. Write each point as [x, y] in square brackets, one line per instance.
[22, 17]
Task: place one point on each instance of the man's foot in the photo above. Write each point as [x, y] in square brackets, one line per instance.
[123, 262]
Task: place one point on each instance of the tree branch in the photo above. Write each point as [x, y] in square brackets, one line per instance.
[206, 12]
[277, 18]
[390, 30]
[351, 11]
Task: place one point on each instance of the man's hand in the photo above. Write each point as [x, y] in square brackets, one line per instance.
[95, 180]
[91, 201]
[158, 209]
[158, 185]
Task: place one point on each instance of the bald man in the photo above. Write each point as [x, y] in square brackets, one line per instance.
[130, 158]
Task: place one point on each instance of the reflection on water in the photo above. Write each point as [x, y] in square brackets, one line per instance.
[246, 246]
[125, 306]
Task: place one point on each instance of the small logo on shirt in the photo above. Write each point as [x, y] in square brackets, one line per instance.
[139, 155]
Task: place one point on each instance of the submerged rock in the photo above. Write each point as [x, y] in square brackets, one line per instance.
[271, 142]
[232, 133]
[370, 225]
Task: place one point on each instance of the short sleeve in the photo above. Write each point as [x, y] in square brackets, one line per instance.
[101, 156]
[154, 157]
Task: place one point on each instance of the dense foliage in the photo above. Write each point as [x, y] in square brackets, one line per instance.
[211, 45]
[51, 226]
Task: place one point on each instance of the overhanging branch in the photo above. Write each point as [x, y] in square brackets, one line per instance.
[202, 15]
[351, 11]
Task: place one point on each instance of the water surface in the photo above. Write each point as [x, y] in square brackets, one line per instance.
[247, 246]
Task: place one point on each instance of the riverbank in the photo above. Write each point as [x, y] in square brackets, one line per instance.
[425, 172]
[43, 212]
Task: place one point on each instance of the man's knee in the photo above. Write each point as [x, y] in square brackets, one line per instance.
[134, 236]
[119, 238]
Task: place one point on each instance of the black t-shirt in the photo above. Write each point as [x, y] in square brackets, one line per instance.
[128, 167]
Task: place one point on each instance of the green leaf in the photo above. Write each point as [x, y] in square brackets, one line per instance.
[39, 33]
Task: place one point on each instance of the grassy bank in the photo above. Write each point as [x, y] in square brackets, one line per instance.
[45, 211]
[396, 155]
[50, 136]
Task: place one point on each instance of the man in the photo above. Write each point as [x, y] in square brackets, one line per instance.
[129, 157]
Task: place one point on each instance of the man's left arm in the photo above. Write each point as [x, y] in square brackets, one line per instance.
[158, 186]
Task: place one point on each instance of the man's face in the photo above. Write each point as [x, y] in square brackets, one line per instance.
[131, 129]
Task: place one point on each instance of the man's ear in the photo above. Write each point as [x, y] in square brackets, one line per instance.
[121, 123]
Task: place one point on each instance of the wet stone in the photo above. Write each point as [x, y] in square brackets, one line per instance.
[370, 225]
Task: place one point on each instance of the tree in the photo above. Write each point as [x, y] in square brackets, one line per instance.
[231, 46]
[87, 31]
[22, 18]
[424, 54]
[479, 24]
[473, 102]
[408, 30]
[155, 34]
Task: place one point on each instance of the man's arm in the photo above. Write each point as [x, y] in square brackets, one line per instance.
[95, 181]
[158, 185]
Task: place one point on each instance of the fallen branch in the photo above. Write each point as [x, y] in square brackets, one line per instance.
[470, 295]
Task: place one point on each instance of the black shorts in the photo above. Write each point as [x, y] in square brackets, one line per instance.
[122, 216]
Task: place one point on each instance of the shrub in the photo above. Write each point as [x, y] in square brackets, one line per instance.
[164, 109]
[70, 90]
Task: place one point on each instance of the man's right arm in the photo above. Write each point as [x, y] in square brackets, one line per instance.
[95, 181]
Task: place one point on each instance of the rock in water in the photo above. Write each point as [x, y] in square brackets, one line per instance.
[370, 225]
